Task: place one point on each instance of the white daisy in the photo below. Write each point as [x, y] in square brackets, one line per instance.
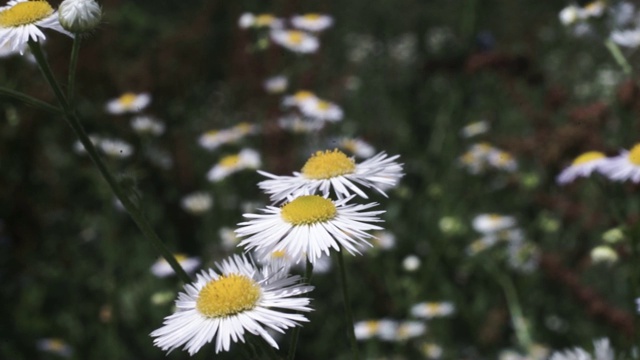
[474, 129]
[248, 20]
[322, 110]
[21, 20]
[312, 22]
[147, 125]
[430, 310]
[213, 139]
[116, 148]
[128, 102]
[230, 164]
[502, 160]
[310, 225]
[409, 329]
[411, 263]
[625, 166]
[223, 304]
[334, 170]
[300, 98]
[492, 223]
[358, 147]
[367, 329]
[161, 267]
[197, 203]
[55, 346]
[295, 40]
[582, 166]
[275, 84]
[627, 38]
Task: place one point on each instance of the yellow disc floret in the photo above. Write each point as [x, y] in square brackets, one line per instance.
[295, 37]
[312, 17]
[25, 13]
[230, 161]
[127, 99]
[228, 295]
[634, 155]
[308, 209]
[328, 164]
[588, 157]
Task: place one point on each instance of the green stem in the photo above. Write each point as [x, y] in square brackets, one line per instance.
[73, 63]
[347, 304]
[29, 100]
[73, 121]
[308, 271]
[517, 318]
[614, 49]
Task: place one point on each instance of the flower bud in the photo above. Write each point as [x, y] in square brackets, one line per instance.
[78, 16]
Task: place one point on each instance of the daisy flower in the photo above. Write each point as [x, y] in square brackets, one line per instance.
[411, 263]
[213, 139]
[367, 329]
[230, 164]
[128, 102]
[312, 22]
[310, 225]
[295, 40]
[409, 329]
[492, 223]
[474, 129]
[228, 238]
[322, 110]
[248, 20]
[582, 166]
[55, 346]
[161, 267]
[116, 148]
[358, 147]
[147, 125]
[79, 16]
[21, 20]
[625, 166]
[627, 38]
[222, 305]
[275, 84]
[300, 98]
[197, 203]
[334, 170]
[430, 310]
[502, 160]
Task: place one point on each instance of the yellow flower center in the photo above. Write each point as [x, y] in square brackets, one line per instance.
[243, 127]
[323, 105]
[432, 308]
[634, 155]
[328, 164]
[211, 133]
[25, 13]
[230, 161]
[504, 158]
[127, 99]
[494, 218]
[56, 345]
[295, 37]
[264, 20]
[588, 157]
[303, 95]
[372, 326]
[279, 254]
[228, 295]
[312, 17]
[308, 209]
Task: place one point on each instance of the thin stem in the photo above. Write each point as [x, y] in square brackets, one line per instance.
[347, 304]
[73, 63]
[308, 271]
[517, 318]
[73, 121]
[29, 100]
[614, 49]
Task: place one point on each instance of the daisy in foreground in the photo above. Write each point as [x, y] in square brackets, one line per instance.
[625, 166]
[310, 225]
[582, 166]
[332, 169]
[21, 20]
[237, 298]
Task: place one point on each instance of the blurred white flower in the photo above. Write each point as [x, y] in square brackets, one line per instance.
[248, 20]
[625, 166]
[147, 125]
[213, 139]
[161, 267]
[295, 40]
[322, 110]
[411, 263]
[275, 84]
[582, 166]
[604, 254]
[116, 148]
[474, 129]
[492, 223]
[430, 310]
[312, 22]
[356, 146]
[128, 102]
[297, 124]
[55, 346]
[245, 159]
[409, 329]
[197, 203]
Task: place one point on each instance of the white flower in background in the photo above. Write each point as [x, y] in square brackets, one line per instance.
[116, 148]
[492, 223]
[326, 170]
[161, 267]
[574, 13]
[502, 160]
[79, 148]
[638, 305]
[602, 351]
[582, 166]
[297, 124]
[147, 125]
[222, 305]
[603, 254]
[481, 244]
[128, 103]
[627, 38]
[79, 16]
[523, 256]
[248, 20]
[197, 203]
[295, 40]
[482, 156]
[309, 226]
[357, 147]
[474, 129]
[230, 164]
[213, 139]
[228, 238]
[411, 263]
[625, 166]
[403, 49]
[21, 20]
[367, 329]
[276, 84]
[322, 110]
[312, 22]
[300, 98]
[384, 240]
[55, 346]
[431, 350]
[430, 310]
[569, 15]
[409, 329]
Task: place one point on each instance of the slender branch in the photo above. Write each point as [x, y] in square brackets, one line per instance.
[347, 304]
[517, 318]
[614, 49]
[73, 121]
[308, 271]
[73, 64]
[29, 100]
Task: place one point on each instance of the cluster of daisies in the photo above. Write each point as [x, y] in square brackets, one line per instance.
[313, 213]
[623, 167]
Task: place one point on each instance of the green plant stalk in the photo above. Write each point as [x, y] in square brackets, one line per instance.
[347, 304]
[29, 100]
[74, 122]
[517, 319]
[614, 49]
[73, 64]
[308, 271]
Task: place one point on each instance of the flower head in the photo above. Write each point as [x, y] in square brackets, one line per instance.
[21, 20]
[322, 110]
[474, 129]
[213, 139]
[238, 298]
[245, 159]
[492, 223]
[312, 22]
[116, 148]
[625, 166]
[161, 267]
[248, 20]
[147, 125]
[79, 16]
[55, 346]
[197, 203]
[357, 147]
[582, 166]
[309, 226]
[332, 169]
[295, 40]
[430, 310]
[275, 84]
[128, 103]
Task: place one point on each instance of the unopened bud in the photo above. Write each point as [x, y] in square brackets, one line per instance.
[78, 16]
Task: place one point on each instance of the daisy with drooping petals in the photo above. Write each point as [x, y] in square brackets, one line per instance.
[310, 225]
[625, 166]
[295, 40]
[312, 22]
[21, 20]
[334, 170]
[161, 267]
[230, 164]
[224, 304]
[582, 166]
[128, 103]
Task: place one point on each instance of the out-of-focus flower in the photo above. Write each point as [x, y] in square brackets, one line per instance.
[276, 84]
[627, 38]
[474, 129]
[300, 98]
[403, 48]
[602, 351]
[21, 20]
[430, 310]
[481, 244]
[492, 223]
[450, 225]
[523, 256]
[295, 40]
[79, 16]
[582, 166]
[79, 148]
[228, 238]
[613, 236]
[625, 166]
[409, 329]
[482, 156]
[603, 254]
[128, 103]
[357, 147]
[248, 20]
[502, 160]
[322, 110]
[147, 125]
[213, 139]
[298, 124]
[411, 263]
[230, 164]
[384, 240]
[197, 203]
[431, 350]
[161, 267]
[55, 346]
[574, 13]
[116, 148]
[367, 329]
[312, 22]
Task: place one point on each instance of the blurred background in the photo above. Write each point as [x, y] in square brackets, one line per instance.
[409, 76]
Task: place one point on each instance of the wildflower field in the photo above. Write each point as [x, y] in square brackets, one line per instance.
[350, 179]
